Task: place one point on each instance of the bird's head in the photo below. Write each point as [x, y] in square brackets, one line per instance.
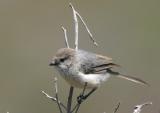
[63, 58]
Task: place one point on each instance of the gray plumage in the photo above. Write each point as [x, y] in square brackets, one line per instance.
[78, 67]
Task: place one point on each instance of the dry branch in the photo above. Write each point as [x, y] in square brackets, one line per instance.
[117, 107]
[85, 25]
[56, 95]
[75, 14]
[138, 108]
[69, 103]
[76, 25]
[54, 99]
[65, 36]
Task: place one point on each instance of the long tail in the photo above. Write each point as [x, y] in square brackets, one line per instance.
[133, 79]
[130, 78]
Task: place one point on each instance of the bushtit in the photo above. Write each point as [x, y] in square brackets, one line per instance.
[78, 67]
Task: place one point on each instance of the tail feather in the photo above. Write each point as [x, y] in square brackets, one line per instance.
[130, 78]
[133, 79]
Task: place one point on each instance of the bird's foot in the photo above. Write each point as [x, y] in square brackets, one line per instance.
[81, 98]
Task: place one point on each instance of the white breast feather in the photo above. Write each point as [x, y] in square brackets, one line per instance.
[93, 80]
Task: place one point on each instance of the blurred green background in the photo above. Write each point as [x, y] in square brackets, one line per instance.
[30, 34]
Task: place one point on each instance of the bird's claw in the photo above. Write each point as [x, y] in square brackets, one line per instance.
[80, 98]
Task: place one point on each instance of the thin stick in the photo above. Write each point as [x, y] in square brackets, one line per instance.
[138, 108]
[85, 25]
[76, 26]
[117, 107]
[56, 95]
[75, 14]
[54, 99]
[65, 36]
[76, 108]
[69, 103]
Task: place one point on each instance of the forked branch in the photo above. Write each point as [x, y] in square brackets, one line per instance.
[138, 108]
[75, 14]
[54, 99]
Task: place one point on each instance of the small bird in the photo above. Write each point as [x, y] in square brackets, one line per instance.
[79, 67]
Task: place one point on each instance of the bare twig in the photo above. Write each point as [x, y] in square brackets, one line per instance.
[76, 25]
[56, 94]
[117, 107]
[138, 108]
[69, 103]
[85, 25]
[75, 14]
[54, 99]
[76, 108]
[65, 36]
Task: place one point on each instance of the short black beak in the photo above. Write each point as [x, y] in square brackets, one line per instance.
[54, 62]
[51, 64]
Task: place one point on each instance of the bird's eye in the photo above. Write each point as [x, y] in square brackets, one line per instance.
[135, 107]
[62, 59]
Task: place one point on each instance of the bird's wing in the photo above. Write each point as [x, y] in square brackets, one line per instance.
[104, 67]
[97, 64]
[101, 65]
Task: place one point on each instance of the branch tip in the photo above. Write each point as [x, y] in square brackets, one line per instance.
[117, 107]
[138, 108]
[65, 36]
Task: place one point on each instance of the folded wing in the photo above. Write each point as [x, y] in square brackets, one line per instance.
[102, 64]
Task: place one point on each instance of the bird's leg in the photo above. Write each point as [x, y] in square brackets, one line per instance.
[80, 97]
[88, 94]
[83, 97]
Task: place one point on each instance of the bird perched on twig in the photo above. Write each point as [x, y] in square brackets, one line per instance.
[78, 67]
